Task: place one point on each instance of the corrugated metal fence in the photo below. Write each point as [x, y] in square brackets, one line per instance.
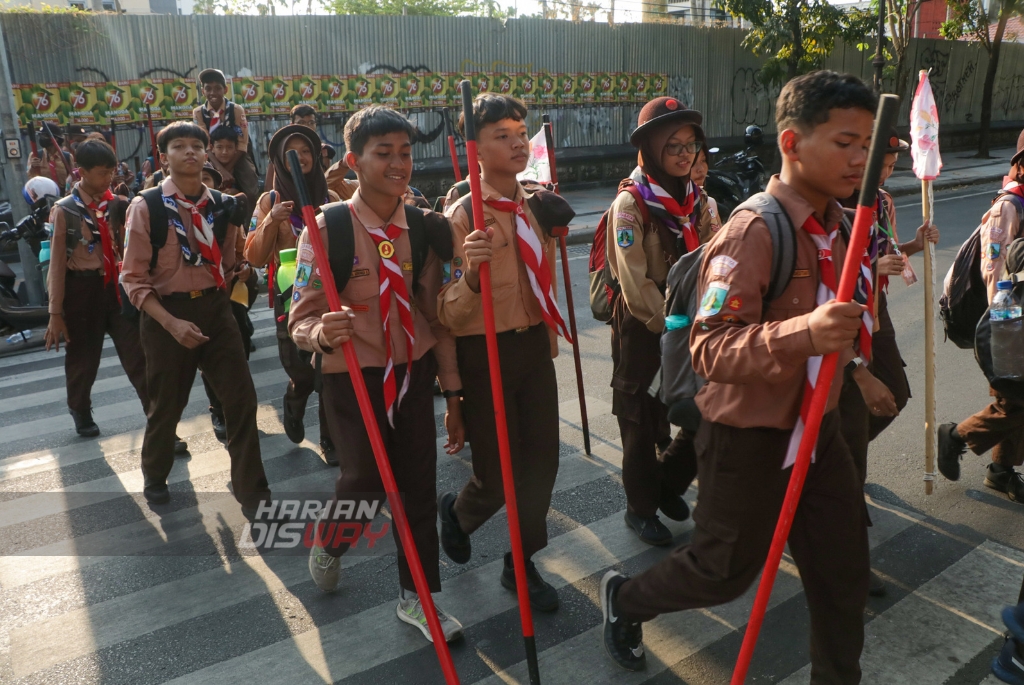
[707, 67]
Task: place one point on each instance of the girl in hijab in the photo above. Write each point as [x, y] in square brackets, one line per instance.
[652, 222]
[277, 224]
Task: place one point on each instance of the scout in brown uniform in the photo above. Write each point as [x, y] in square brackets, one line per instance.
[48, 163]
[669, 136]
[303, 115]
[876, 391]
[390, 315]
[526, 323]
[710, 220]
[82, 285]
[224, 157]
[186, 318]
[997, 427]
[756, 364]
[218, 111]
[278, 225]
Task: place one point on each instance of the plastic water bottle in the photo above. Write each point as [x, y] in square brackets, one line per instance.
[44, 252]
[1007, 333]
[674, 322]
[286, 274]
[24, 336]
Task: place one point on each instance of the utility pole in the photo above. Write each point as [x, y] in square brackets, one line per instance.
[879, 59]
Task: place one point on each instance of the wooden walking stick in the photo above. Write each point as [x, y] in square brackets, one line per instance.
[549, 137]
[498, 397]
[888, 106]
[355, 372]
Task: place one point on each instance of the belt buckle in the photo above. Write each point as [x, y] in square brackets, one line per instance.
[193, 294]
[522, 330]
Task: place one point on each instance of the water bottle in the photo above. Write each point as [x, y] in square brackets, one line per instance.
[1007, 333]
[674, 322]
[44, 259]
[24, 336]
[286, 274]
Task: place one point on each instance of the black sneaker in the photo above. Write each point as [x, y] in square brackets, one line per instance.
[327, 450]
[543, 597]
[674, 506]
[454, 542]
[219, 429]
[1005, 479]
[951, 449]
[294, 428]
[650, 530]
[156, 493]
[180, 446]
[1007, 666]
[84, 425]
[623, 640]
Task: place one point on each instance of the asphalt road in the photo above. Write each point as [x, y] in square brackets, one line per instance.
[96, 586]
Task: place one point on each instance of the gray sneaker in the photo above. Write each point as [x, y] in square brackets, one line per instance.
[411, 611]
[325, 569]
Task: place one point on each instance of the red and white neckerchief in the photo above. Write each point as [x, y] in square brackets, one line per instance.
[676, 216]
[826, 291]
[202, 227]
[1015, 188]
[214, 119]
[94, 214]
[537, 270]
[864, 293]
[392, 281]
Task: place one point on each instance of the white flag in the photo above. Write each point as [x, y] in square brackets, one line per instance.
[537, 168]
[924, 131]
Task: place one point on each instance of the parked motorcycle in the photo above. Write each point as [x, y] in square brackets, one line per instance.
[16, 314]
[744, 174]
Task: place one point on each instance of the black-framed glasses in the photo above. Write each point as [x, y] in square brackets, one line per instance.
[676, 149]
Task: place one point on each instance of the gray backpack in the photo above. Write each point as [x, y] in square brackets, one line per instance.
[679, 383]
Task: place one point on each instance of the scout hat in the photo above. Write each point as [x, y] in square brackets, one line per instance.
[285, 132]
[1019, 157]
[894, 142]
[212, 76]
[212, 170]
[661, 111]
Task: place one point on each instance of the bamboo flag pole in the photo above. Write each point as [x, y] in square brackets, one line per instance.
[924, 132]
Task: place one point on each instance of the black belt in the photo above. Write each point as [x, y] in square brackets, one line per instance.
[91, 273]
[190, 295]
[520, 331]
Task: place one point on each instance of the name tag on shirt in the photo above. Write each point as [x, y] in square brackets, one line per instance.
[801, 273]
[359, 273]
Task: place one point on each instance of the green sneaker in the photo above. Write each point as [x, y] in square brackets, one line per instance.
[325, 569]
[411, 611]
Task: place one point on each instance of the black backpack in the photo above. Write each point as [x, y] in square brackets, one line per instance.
[427, 231]
[1007, 387]
[964, 299]
[679, 382]
[227, 209]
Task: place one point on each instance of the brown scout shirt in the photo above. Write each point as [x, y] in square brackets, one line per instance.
[756, 363]
[265, 243]
[171, 274]
[362, 295]
[81, 259]
[1000, 226]
[638, 261]
[240, 121]
[515, 305]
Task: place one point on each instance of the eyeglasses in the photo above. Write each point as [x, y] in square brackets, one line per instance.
[676, 149]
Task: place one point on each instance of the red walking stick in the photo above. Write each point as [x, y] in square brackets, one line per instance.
[498, 397]
[451, 148]
[373, 430]
[888, 106]
[549, 137]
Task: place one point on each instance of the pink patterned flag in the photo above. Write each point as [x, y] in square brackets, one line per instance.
[537, 168]
[924, 131]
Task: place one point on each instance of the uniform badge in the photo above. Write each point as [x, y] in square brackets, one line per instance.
[734, 303]
[386, 249]
[296, 296]
[729, 318]
[457, 274]
[317, 284]
[714, 298]
[457, 261]
[625, 216]
[722, 266]
[406, 266]
[624, 236]
[993, 250]
[801, 273]
[446, 273]
[359, 273]
[302, 275]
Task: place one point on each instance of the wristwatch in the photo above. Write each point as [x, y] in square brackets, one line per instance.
[852, 365]
[448, 394]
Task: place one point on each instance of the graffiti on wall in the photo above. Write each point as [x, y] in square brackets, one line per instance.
[752, 101]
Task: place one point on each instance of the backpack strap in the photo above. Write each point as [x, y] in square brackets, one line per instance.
[427, 231]
[72, 222]
[222, 216]
[341, 248]
[783, 234]
[629, 186]
[157, 221]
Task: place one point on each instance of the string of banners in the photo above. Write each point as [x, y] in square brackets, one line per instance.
[125, 102]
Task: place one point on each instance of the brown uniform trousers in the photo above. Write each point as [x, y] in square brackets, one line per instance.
[412, 450]
[643, 420]
[998, 427]
[91, 310]
[531, 408]
[742, 486]
[298, 365]
[859, 426]
[170, 372]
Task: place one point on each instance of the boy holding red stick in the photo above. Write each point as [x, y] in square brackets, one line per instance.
[761, 360]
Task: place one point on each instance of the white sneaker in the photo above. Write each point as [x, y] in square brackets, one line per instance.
[325, 569]
[411, 611]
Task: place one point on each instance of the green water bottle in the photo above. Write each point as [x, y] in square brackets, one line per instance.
[286, 274]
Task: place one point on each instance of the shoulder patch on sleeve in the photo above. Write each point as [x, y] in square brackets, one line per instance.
[714, 298]
[624, 236]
